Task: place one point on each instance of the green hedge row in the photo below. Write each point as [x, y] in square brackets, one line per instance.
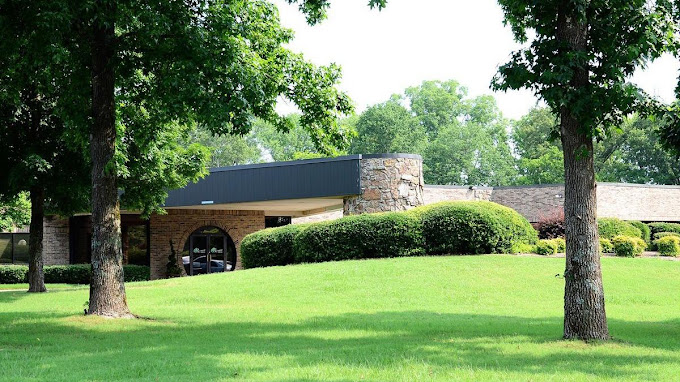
[443, 228]
[610, 228]
[664, 227]
[68, 274]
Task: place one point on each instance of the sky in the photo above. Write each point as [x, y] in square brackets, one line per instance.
[384, 52]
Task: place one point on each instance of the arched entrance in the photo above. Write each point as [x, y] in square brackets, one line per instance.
[209, 250]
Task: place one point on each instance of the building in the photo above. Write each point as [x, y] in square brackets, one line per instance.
[206, 221]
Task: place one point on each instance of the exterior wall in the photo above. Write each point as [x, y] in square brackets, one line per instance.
[388, 184]
[533, 202]
[179, 224]
[55, 241]
[436, 194]
[638, 202]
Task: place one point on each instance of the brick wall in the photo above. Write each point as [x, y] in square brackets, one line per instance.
[179, 224]
[435, 194]
[638, 202]
[330, 215]
[55, 241]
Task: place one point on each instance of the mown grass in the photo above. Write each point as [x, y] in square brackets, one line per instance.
[444, 318]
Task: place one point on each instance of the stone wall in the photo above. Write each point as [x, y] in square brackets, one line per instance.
[179, 224]
[388, 183]
[436, 194]
[55, 240]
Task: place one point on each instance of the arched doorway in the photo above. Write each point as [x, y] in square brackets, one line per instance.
[209, 250]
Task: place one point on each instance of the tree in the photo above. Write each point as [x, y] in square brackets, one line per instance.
[15, 211]
[579, 58]
[34, 157]
[158, 66]
[388, 128]
[225, 150]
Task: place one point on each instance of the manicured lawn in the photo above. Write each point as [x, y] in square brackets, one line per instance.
[447, 318]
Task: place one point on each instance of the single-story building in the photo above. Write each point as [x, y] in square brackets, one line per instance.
[206, 221]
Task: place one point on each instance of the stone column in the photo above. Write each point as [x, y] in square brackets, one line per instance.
[389, 182]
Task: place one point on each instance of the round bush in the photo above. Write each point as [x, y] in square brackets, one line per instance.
[627, 246]
[606, 246]
[546, 247]
[644, 229]
[389, 234]
[473, 228]
[561, 244]
[668, 245]
[609, 228]
[270, 247]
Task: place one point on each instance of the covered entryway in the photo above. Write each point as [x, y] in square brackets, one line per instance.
[209, 250]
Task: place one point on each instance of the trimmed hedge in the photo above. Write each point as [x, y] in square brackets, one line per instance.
[664, 227]
[444, 228]
[389, 234]
[609, 228]
[606, 246]
[627, 246]
[644, 229]
[668, 245]
[68, 274]
[473, 228]
[659, 235]
[270, 247]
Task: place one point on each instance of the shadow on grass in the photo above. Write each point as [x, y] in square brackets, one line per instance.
[83, 348]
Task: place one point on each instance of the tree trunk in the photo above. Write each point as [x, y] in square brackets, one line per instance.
[36, 276]
[584, 310]
[107, 289]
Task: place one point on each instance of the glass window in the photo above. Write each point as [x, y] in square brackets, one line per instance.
[5, 248]
[20, 248]
[208, 250]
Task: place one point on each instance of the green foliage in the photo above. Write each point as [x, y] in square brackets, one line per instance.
[546, 247]
[612, 227]
[659, 235]
[606, 246]
[13, 274]
[388, 128]
[68, 274]
[627, 246]
[664, 227]
[15, 212]
[472, 228]
[172, 268]
[539, 152]
[561, 244]
[621, 37]
[668, 245]
[270, 247]
[645, 231]
[225, 150]
[389, 234]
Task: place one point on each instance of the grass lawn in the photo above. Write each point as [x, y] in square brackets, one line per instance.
[444, 318]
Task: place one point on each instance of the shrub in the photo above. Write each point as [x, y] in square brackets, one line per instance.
[551, 226]
[627, 246]
[389, 234]
[13, 274]
[660, 235]
[561, 244]
[172, 269]
[271, 246]
[664, 227]
[472, 228]
[609, 228]
[134, 273]
[68, 274]
[668, 245]
[523, 248]
[644, 229]
[606, 246]
[546, 247]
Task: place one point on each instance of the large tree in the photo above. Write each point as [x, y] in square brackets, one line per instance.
[578, 58]
[160, 64]
[34, 158]
[15, 211]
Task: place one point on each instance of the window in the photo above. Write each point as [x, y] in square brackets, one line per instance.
[209, 250]
[14, 248]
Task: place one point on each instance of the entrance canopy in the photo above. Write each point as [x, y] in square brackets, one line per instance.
[295, 188]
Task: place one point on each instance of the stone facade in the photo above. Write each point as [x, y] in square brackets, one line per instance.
[179, 224]
[436, 194]
[55, 240]
[388, 184]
